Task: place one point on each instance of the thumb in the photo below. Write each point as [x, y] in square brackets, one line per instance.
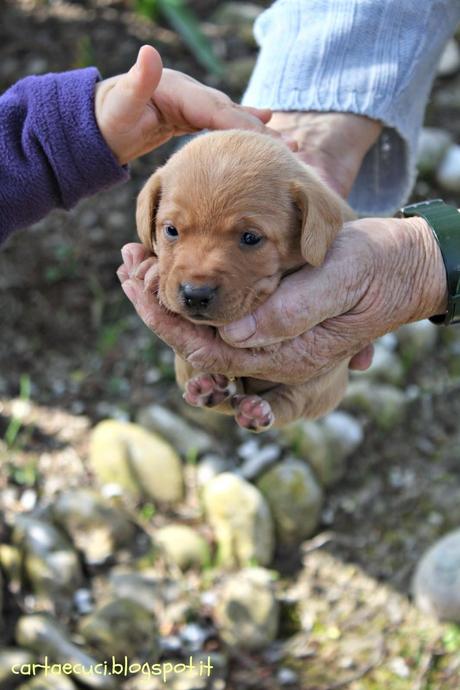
[302, 300]
[135, 88]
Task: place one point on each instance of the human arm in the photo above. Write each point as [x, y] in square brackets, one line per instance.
[66, 136]
[373, 59]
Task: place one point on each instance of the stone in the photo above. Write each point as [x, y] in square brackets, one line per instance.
[436, 582]
[49, 681]
[51, 564]
[449, 62]
[247, 612]
[432, 147]
[95, 526]
[416, 340]
[143, 589]
[119, 628]
[343, 434]
[13, 657]
[295, 499]
[241, 520]
[46, 637]
[170, 426]
[141, 462]
[184, 546]
[209, 467]
[384, 404]
[259, 461]
[448, 173]
[386, 367]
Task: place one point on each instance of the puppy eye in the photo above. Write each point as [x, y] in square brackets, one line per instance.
[171, 232]
[249, 239]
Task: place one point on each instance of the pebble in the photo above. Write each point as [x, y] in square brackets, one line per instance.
[210, 466]
[96, 527]
[175, 429]
[286, 676]
[386, 367]
[121, 627]
[295, 499]
[436, 582]
[416, 340]
[241, 520]
[143, 463]
[46, 636]
[432, 146]
[448, 173]
[247, 612]
[254, 465]
[384, 404]
[449, 62]
[184, 546]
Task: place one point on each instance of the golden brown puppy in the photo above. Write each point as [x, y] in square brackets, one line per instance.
[228, 216]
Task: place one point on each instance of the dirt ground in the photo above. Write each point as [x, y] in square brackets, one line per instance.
[66, 324]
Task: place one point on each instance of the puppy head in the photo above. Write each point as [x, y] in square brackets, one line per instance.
[228, 215]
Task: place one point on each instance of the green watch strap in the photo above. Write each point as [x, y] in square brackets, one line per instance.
[444, 220]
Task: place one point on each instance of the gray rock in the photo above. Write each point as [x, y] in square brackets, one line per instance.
[260, 461]
[141, 588]
[139, 461]
[448, 174]
[184, 546]
[20, 660]
[183, 436]
[241, 520]
[343, 434]
[295, 499]
[436, 582]
[416, 340]
[386, 367]
[449, 62]
[95, 526]
[247, 613]
[432, 147]
[121, 627]
[384, 404]
[47, 637]
[11, 564]
[50, 562]
[49, 681]
[209, 467]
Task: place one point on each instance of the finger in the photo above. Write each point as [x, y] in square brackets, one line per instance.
[135, 88]
[263, 114]
[362, 360]
[302, 300]
[133, 254]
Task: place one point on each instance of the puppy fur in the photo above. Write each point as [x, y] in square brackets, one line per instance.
[201, 214]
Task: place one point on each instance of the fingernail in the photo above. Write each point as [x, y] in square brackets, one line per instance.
[240, 330]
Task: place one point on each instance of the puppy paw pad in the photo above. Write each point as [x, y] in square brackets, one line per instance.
[252, 412]
[207, 390]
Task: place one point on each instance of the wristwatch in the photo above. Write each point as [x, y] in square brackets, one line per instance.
[444, 221]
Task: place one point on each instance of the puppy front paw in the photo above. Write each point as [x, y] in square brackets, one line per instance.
[208, 390]
[252, 412]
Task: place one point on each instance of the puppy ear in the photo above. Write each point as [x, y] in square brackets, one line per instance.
[321, 217]
[146, 209]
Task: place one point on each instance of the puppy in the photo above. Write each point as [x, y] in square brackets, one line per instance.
[228, 216]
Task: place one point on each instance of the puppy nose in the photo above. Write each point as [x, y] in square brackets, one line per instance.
[198, 296]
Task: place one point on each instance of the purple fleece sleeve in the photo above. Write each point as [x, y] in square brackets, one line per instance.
[51, 150]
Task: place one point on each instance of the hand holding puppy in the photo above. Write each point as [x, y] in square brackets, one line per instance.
[140, 110]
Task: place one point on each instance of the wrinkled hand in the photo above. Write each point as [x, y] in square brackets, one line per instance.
[140, 110]
[379, 274]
